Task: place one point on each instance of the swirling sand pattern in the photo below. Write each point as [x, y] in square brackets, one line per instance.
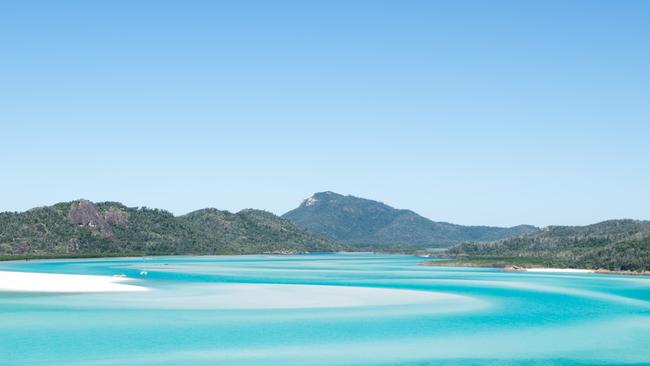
[358, 309]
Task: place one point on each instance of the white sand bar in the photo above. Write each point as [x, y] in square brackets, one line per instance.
[271, 296]
[559, 270]
[63, 283]
[289, 296]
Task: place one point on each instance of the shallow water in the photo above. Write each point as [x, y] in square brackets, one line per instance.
[359, 309]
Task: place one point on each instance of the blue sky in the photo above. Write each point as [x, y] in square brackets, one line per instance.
[473, 112]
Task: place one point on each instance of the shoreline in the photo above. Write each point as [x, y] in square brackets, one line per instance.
[540, 269]
[29, 257]
[494, 263]
[551, 270]
[34, 282]
[26, 258]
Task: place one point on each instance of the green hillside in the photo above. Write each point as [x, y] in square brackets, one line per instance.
[357, 220]
[620, 245]
[82, 227]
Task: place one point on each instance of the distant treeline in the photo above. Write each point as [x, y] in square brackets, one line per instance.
[617, 245]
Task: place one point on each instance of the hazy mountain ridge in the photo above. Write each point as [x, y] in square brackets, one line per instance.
[81, 226]
[355, 220]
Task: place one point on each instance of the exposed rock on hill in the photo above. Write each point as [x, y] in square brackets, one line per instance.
[85, 214]
[80, 227]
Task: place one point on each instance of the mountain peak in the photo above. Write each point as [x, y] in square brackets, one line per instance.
[310, 201]
[326, 195]
[318, 197]
[356, 220]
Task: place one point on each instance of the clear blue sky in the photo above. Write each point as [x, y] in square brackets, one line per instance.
[485, 112]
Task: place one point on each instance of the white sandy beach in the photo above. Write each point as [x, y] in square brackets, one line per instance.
[558, 270]
[63, 283]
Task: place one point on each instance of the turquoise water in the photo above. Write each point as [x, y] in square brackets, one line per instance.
[326, 310]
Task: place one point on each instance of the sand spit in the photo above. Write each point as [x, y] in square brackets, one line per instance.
[63, 283]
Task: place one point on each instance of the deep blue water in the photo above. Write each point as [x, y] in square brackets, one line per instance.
[343, 309]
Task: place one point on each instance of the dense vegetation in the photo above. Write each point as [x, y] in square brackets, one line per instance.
[619, 245]
[361, 221]
[81, 228]
[499, 262]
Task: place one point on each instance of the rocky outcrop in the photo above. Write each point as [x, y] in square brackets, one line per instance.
[85, 214]
[115, 216]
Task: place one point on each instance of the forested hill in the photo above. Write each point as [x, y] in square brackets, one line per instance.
[357, 220]
[614, 245]
[80, 227]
